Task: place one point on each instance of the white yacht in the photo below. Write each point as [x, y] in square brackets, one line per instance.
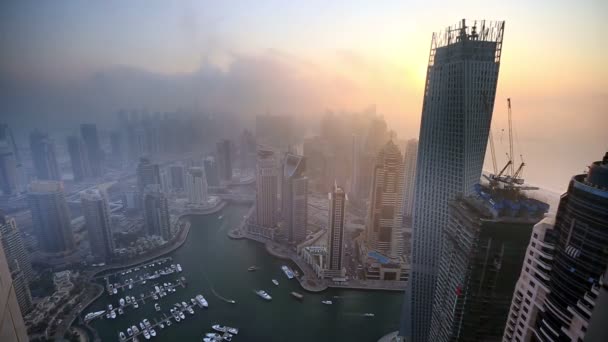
[202, 301]
[93, 315]
[224, 329]
[263, 294]
[130, 331]
[152, 332]
[156, 306]
[113, 314]
[142, 326]
[122, 336]
[121, 302]
[135, 329]
[128, 300]
[146, 322]
[288, 272]
[327, 302]
[114, 291]
[368, 314]
[179, 268]
[120, 311]
[135, 305]
[146, 334]
[276, 282]
[181, 315]
[190, 310]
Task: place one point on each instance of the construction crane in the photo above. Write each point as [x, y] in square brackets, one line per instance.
[510, 137]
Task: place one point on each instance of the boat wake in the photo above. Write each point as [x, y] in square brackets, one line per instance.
[217, 295]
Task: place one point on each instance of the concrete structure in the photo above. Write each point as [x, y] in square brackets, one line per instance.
[50, 216]
[18, 261]
[177, 174]
[224, 158]
[44, 156]
[294, 198]
[409, 177]
[94, 151]
[266, 194]
[148, 173]
[156, 213]
[579, 259]
[335, 233]
[384, 231]
[531, 288]
[484, 246]
[196, 185]
[12, 327]
[462, 75]
[97, 220]
[211, 171]
[79, 158]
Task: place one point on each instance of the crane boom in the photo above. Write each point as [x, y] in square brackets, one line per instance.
[491, 136]
[510, 138]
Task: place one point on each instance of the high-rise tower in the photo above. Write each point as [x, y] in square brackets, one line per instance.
[156, 213]
[50, 216]
[97, 219]
[224, 158]
[409, 160]
[335, 233]
[44, 156]
[12, 327]
[148, 173]
[196, 185]
[384, 229]
[266, 194]
[294, 197]
[462, 75]
[94, 151]
[79, 158]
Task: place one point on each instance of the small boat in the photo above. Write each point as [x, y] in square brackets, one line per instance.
[135, 329]
[190, 310]
[152, 332]
[263, 294]
[221, 217]
[213, 335]
[121, 302]
[223, 329]
[181, 315]
[202, 302]
[122, 336]
[184, 304]
[113, 314]
[210, 339]
[135, 305]
[179, 268]
[168, 322]
[327, 302]
[162, 326]
[155, 297]
[130, 331]
[146, 334]
[368, 314]
[156, 306]
[128, 299]
[120, 311]
[297, 295]
[93, 315]
[276, 282]
[114, 291]
[142, 326]
[108, 316]
[146, 322]
[227, 337]
[252, 268]
[288, 272]
[193, 301]
[110, 307]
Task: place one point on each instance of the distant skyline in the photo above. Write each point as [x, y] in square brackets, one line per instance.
[81, 60]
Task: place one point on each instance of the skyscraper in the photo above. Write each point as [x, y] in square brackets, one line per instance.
[384, 231]
[94, 151]
[177, 174]
[409, 174]
[462, 75]
[50, 216]
[247, 150]
[484, 245]
[79, 158]
[294, 190]
[44, 157]
[335, 230]
[580, 257]
[18, 261]
[531, 288]
[148, 173]
[156, 213]
[97, 220]
[196, 185]
[266, 194]
[224, 158]
[211, 171]
[12, 327]
[8, 169]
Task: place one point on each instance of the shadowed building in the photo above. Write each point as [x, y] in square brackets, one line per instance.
[335, 233]
[224, 158]
[156, 213]
[79, 158]
[294, 208]
[97, 219]
[50, 216]
[12, 327]
[94, 151]
[44, 156]
[266, 194]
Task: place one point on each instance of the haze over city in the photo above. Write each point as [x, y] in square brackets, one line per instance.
[391, 171]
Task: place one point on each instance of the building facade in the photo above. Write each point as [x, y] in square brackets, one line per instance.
[384, 231]
[50, 217]
[148, 173]
[44, 156]
[294, 197]
[196, 185]
[224, 158]
[79, 158]
[580, 257]
[156, 213]
[335, 233]
[93, 147]
[96, 214]
[12, 327]
[267, 189]
[211, 171]
[409, 177]
[484, 246]
[177, 175]
[18, 261]
[532, 286]
[462, 75]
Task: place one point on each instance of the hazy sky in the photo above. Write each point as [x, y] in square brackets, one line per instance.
[83, 58]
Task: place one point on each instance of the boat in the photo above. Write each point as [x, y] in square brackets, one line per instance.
[130, 286]
[168, 322]
[146, 322]
[130, 331]
[179, 268]
[135, 329]
[156, 306]
[210, 339]
[252, 268]
[142, 326]
[93, 315]
[276, 282]
[223, 329]
[327, 302]
[213, 335]
[227, 337]
[122, 336]
[146, 334]
[190, 310]
[120, 311]
[113, 314]
[121, 302]
[114, 291]
[202, 301]
[193, 301]
[368, 314]
[184, 305]
[263, 294]
[181, 315]
[221, 217]
[155, 297]
[128, 300]
[162, 326]
[288, 272]
[135, 305]
[152, 332]
[110, 306]
[297, 295]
